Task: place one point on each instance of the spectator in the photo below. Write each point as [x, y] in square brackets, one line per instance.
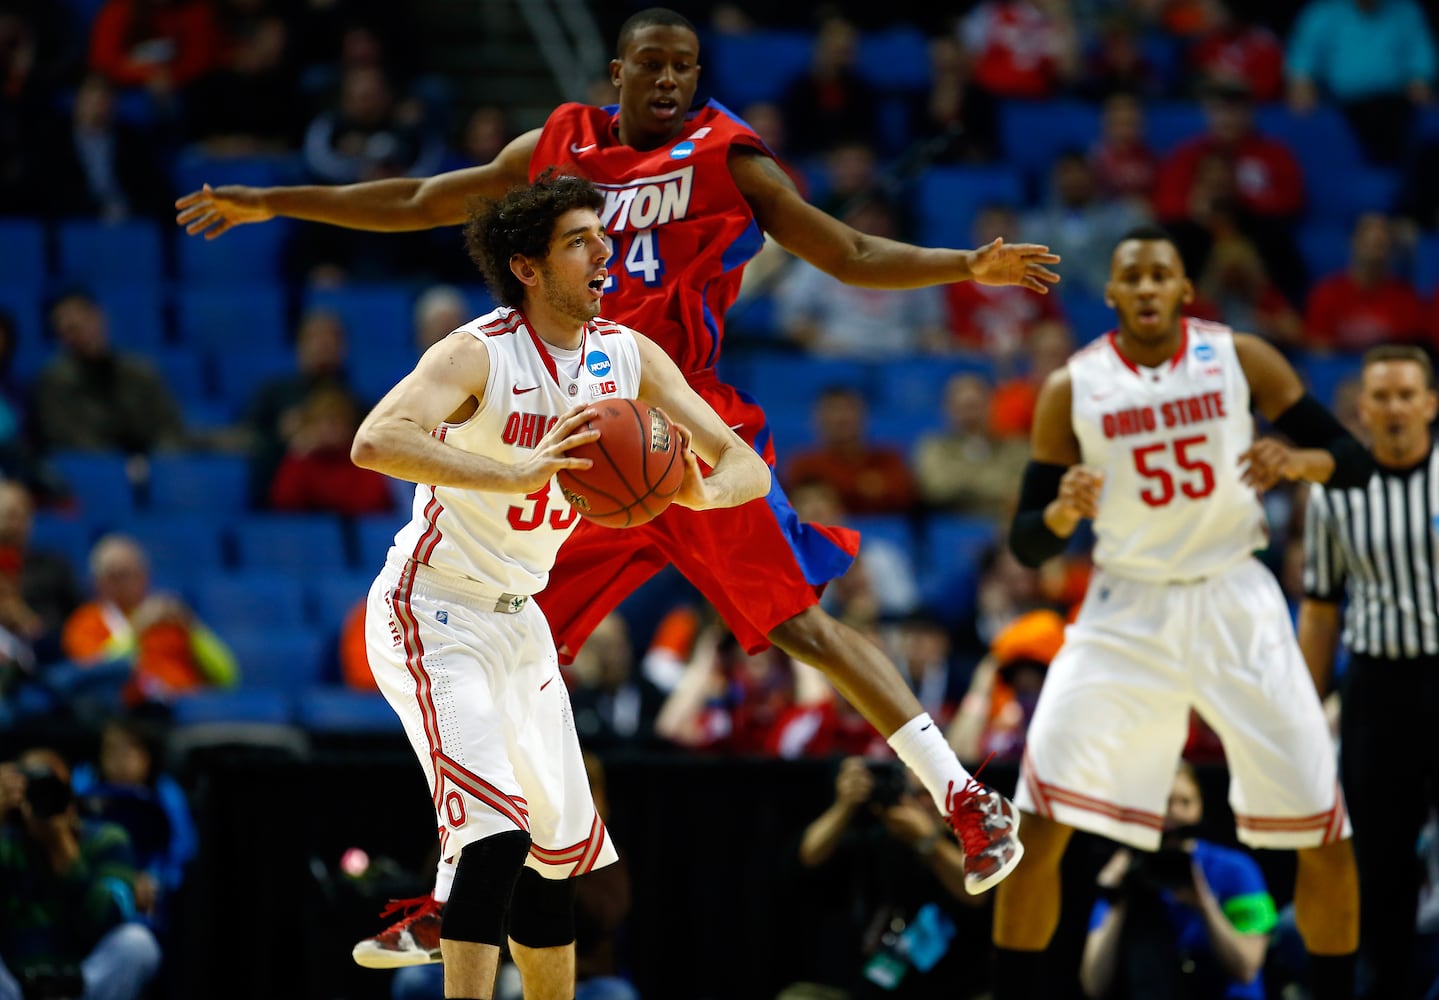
[961, 117]
[1011, 405]
[1374, 57]
[161, 45]
[100, 167]
[1235, 289]
[767, 120]
[869, 479]
[370, 134]
[247, 104]
[1417, 202]
[47, 589]
[993, 319]
[829, 318]
[830, 102]
[486, 131]
[128, 786]
[1192, 919]
[921, 647]
[965, 468]
[1234, 47]
[1124, 165]
[1117, 64]
[1021, 48]
[274, 413]
[614, 705]
[849, 174]
[439, 311]
[316, 474]
[1079, 224]
[1368, 303]
[93, 398]
[894, 916]
[1004, 689]
[169, 650]
[70, 931]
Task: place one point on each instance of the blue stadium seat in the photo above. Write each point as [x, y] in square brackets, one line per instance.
[375, 316]
[1088, 316]
[22, 252]
[1323, 373]
[1324, 248]
[795, 381]
[181, 546]
[199, 483]
[298, 543]
[373, 538]
[1167, 125]
[33, 348]
[207, 707]
[232, 320]
[895, 59]
[1033, 133]
[1426, 264]
[242, 373]
[755, 66]
[343, 710]
[235, 603]
[894, 529]
[375, 370]
[134, 313]
[1338, 195]
[952, 547]
[330, 596]
[287, 660]
[253, 253]
[948, 199]
[914, 387]
[1320, 137]
[99, 480]
[123, 251]
[195, 167]
[185, 372]
[66, 535]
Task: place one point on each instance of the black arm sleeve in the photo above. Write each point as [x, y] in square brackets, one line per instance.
[1309, 425]
[1029, 537]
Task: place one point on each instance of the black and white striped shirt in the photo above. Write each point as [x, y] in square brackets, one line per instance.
[1381, 541]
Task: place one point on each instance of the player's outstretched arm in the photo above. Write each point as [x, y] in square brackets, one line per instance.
[394, 205]
[737, 474]
[871, 261]
[449, 383]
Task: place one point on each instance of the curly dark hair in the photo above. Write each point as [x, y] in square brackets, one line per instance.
[523, 222]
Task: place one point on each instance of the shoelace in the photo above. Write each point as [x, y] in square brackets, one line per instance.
[972, 837]
[413, 909]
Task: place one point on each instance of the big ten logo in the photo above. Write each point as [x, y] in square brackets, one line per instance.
[659, 432]
[607, 388]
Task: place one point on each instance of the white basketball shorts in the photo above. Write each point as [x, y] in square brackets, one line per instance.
[481, 698]
[1113, 715]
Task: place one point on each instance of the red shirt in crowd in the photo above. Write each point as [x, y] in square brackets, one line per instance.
[873, 481]
[1270, 181]
[1346, 317]
[132, 48]
[1247, 53]
[326, 480]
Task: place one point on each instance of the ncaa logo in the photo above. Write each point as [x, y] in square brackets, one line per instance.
[598, 362]
[1203, 352]
[682, 150]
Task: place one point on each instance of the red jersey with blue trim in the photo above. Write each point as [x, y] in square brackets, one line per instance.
[682, 231]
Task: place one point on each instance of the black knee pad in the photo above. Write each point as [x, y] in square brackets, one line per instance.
[484, 882]
[543, 912]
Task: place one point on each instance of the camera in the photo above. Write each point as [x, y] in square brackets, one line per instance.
[1168, 868]
[47, 794]
[889, 784]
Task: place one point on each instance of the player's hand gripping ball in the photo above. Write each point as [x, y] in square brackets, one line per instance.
[637, 470]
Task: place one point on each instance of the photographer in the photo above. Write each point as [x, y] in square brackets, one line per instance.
[1189, 921]
[892, 879]
[66, 903]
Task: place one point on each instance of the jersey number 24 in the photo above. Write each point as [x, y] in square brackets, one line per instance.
[641, 255]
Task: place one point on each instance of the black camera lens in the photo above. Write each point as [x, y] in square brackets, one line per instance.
[47, 794]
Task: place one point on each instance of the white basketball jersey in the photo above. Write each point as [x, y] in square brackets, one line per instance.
[510, 541]
[1168, 440]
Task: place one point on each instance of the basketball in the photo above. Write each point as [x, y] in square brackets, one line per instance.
[637, 466]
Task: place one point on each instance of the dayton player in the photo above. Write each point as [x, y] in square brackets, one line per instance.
[456, 644]
[688, 194]
[1148, 431]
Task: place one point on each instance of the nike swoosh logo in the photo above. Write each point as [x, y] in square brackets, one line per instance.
[520, 392]
[735, 427]
[547, 683]
[925, 726]
[580, 149]
[1098, 396]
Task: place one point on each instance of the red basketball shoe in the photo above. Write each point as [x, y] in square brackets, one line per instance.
[987, 825]
[414, 939]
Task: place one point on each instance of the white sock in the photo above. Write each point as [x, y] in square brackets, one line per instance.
[922, 747]
[444, 879]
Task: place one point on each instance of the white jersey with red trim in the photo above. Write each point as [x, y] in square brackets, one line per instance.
[1168, 440]
[504, 540]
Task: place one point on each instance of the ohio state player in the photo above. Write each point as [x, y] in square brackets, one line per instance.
[1148, 431]
[688, 194]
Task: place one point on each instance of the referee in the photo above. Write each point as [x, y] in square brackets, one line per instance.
[1377, 546]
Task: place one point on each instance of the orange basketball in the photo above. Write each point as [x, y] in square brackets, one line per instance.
[637, 466]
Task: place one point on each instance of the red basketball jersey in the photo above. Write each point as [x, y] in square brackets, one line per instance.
[682, 230]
